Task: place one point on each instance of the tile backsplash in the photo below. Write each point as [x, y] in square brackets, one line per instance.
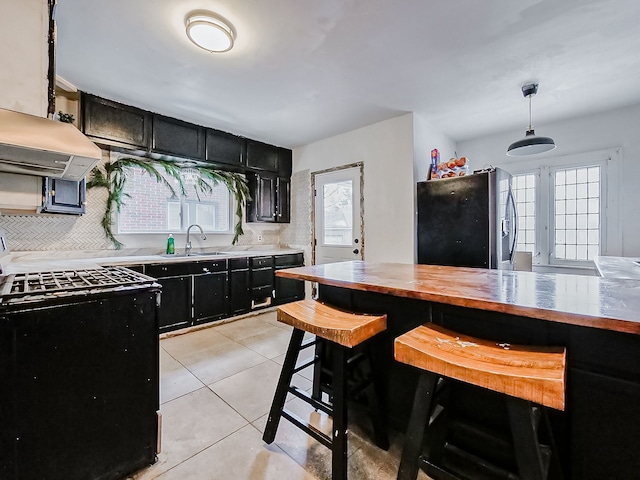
[54, 232]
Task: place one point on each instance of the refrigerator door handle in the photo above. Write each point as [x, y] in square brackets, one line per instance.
[511, 200]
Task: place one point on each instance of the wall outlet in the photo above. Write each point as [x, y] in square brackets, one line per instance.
[260, 238]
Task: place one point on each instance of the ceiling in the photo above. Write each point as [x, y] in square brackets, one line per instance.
[303, 70]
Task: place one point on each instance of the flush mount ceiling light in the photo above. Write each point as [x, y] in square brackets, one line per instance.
[530, 144]
[210, 32]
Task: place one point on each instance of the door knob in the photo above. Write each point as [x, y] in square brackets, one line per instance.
[356, 251]
[356, 240]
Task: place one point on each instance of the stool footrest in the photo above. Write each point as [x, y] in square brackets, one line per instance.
[317, 404]
[309, 343]
[307, 428]
[308, 364]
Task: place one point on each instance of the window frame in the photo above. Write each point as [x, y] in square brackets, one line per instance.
[543, 169]
[184, 206]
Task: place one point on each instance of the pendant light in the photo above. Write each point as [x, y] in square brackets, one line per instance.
[531, 143]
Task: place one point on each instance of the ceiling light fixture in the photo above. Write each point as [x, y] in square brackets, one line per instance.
[210, 32]
[530, 144]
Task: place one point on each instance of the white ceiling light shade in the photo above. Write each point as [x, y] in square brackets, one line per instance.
[210, 32]
[531, 143]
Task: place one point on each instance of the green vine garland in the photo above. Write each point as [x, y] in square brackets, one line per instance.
[113, 178]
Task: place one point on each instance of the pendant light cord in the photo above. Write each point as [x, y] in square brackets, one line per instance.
[530, 126]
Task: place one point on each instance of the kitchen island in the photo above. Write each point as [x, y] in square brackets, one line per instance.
[596, 319]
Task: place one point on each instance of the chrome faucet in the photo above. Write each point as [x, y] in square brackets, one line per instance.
[187, 248]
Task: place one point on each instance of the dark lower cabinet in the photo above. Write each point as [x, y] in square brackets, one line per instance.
[239, 286]
[287, 289]
[192, 292]
[203, 291]
[603, 410]
[210, 297]
[175, 306]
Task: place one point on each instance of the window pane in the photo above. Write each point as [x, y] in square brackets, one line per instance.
[577, 206]
[524, 189]
[150, 206]
[338, 213]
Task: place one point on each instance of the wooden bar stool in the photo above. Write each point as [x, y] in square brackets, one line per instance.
[530, 377]
[344, 330]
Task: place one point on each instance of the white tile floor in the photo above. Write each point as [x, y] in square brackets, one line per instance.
[216, 387]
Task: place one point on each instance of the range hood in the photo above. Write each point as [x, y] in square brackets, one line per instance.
[34, 145]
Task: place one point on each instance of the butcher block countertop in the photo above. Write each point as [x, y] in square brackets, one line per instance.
[604, 303]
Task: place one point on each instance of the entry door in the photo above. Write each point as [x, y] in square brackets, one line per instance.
[338, 226]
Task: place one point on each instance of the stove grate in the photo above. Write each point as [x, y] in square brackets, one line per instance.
[39, 283]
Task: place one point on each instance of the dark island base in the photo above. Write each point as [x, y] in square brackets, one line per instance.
[599, 432]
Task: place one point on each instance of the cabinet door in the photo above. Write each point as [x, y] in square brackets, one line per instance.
[285, 162]
[261, 156]
[225, 148]
[603, 443]
[175, 303]
[288, 290]
[63, 196]
[175, 137]
[112, 123]
[239, 291]
[262, 206]
[210, 297]
[283, 203]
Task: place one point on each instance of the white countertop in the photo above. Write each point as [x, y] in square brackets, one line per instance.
[618, 267]
[21, 262]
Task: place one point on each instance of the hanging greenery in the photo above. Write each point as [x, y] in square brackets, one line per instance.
[114, 177]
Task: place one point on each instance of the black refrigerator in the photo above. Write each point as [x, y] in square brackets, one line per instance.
[468, 221]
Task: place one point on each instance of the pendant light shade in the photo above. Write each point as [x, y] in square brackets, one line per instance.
[531, 144]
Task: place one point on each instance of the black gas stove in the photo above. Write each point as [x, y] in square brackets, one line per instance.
[79, 359]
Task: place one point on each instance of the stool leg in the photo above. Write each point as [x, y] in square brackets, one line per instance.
[284, 382]
[339, 431]
[376, 399]
[316, 394]
[525, 439]
[422, 403]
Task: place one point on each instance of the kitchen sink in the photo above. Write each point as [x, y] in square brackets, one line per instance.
[192, 254]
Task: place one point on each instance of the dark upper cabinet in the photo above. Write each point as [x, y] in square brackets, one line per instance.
[175, 137]
[63, 196]
[270, 198]
[225, 148]
[113, 123]
[283, 200]
[261, 156]
[285, 162]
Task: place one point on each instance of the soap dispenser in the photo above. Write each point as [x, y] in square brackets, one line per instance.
[171, 246]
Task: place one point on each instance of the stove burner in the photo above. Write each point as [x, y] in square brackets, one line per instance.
[45, 284]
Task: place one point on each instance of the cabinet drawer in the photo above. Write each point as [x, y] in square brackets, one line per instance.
[211, 266]
[260, 262]
[289, 260]
[239, 263]
[262, 277]
[163, 270]
[262, 292]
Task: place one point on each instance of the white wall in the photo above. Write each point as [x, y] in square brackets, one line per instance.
[386, 149]
[426, 137]
[24, 56]
[609, 130]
